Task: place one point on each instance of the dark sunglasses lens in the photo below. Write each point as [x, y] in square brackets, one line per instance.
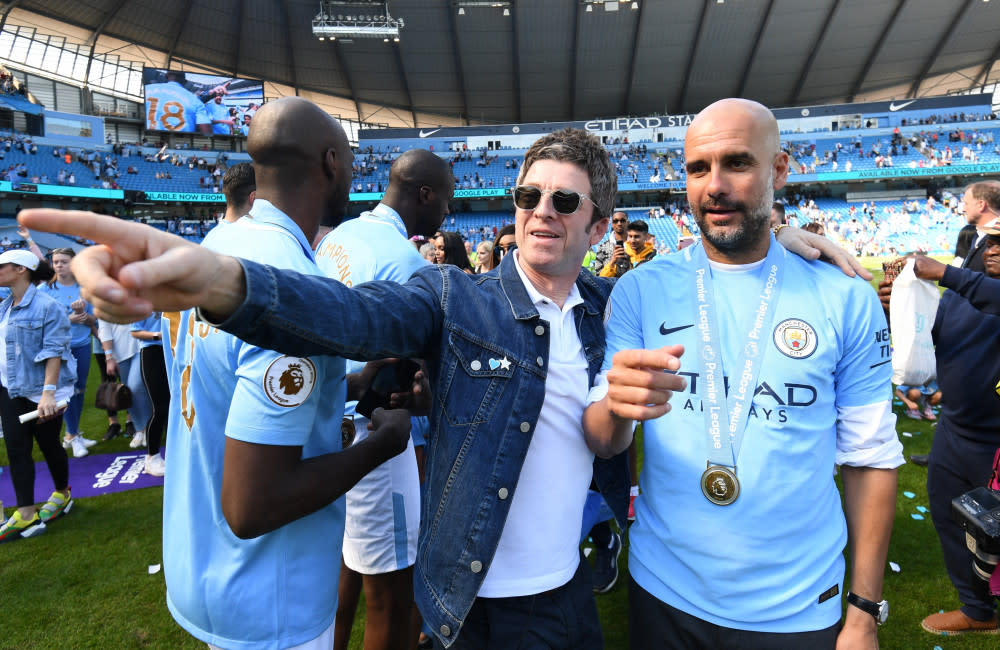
[565, 202]
[527, 198]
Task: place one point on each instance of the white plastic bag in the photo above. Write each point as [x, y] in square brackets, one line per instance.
[912, 309]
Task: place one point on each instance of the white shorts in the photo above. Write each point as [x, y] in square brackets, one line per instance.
[383, 513]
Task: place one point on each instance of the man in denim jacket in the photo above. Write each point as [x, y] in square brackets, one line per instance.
[511, 355]
[507, 383]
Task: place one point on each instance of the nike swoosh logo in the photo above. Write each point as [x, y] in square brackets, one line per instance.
[897, 107]
[424, 134]
[670, 330]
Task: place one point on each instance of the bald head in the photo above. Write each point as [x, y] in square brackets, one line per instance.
[418, 167]
[302, 161]
[288, 138]
[731, 112]
[420, 186]
[734, 165]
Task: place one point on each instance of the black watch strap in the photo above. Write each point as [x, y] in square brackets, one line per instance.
[879, 611]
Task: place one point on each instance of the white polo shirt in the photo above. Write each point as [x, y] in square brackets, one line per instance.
[539, 546]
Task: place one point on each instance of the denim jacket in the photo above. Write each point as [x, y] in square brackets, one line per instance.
[37, 329]
[483, 414]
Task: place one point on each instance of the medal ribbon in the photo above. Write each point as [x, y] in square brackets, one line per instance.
[726, 417]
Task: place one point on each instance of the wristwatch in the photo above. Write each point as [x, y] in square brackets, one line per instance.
[879, 610]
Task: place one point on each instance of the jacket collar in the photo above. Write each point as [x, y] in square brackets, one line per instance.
[521, 305]
[26, 299]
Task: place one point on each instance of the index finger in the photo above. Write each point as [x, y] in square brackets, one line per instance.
[89, 225]
[665, 358]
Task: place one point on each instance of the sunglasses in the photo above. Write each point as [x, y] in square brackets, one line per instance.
[619, 221]
[526, 197]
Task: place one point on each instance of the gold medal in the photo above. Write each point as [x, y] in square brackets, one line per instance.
[720, 485]
[347, 432]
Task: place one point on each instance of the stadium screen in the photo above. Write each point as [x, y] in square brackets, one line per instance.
[192, 102]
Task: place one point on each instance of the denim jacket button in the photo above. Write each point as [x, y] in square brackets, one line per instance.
[445, 630]
[502, 493]
[475, 365]
[540, 361]
[476, 566]
[525, 427]
[539, 330]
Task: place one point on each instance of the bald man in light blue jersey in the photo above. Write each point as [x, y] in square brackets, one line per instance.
[253, 521]
[739, 529]
[383, 509]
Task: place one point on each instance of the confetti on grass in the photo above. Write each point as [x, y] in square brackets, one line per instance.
[916, 516]
[894, 567]
[908, 494]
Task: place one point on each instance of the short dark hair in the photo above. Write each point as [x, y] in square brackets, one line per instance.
[586, 151]
[639, 226]
[238, 182]
[779, 207]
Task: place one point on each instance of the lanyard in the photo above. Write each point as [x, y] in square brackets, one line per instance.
[726, 417]
[382, 213]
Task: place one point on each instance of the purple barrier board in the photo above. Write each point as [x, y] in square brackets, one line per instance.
[88, 476]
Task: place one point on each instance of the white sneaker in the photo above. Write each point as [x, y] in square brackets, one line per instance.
[155, 465]
[79, 449]
[87, 442]
[138, 440]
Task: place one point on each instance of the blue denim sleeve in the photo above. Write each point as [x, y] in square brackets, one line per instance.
[300, 314]
[978, 288]
[55, 333]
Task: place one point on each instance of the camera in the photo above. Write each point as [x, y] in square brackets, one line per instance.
[978, 512]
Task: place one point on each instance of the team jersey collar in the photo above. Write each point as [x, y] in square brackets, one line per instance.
[382, 213]
[264, 212]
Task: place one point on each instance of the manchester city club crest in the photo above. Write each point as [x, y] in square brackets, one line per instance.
[795, 338]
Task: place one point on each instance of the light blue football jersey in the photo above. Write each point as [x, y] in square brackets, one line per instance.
[372, 247]
[218, 112]
[172, 107]
[764, 562]
[66, 296]
[279, 589]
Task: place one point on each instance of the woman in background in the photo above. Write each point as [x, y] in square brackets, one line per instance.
[484, 257]
[37, 371]
[503, 243]
[121, 357]
[82, 322]
[154, 378]
[450, 249]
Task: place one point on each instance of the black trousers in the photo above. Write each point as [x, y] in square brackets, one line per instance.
[564, 618]
[955, 466]
[654, 624]
[154, 377]
[18, 439]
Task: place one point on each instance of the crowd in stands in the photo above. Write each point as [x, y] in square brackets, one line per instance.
[916, 150]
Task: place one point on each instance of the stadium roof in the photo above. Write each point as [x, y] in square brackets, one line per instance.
[553, 60]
